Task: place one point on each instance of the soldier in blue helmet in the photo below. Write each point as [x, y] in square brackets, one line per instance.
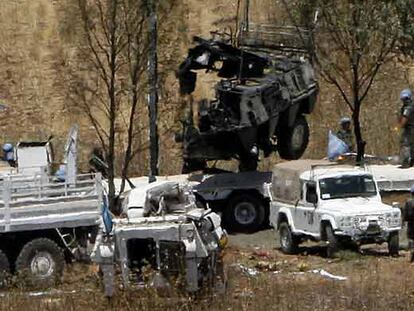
[345, 133]
[8, 154]
[406, 123]
[408, 213]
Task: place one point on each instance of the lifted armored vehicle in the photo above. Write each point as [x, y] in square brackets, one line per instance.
[268, 87]
[162, 231]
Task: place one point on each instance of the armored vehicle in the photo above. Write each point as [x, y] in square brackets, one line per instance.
[261, 102]
[163, 231]
[337, 204]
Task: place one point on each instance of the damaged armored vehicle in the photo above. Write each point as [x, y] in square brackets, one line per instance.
[267, 88]
[163, 240]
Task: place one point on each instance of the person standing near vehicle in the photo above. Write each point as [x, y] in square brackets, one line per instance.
[345, 133]
[406, 123]
[408, 214]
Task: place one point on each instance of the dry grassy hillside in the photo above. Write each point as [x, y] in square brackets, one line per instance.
[38, 41]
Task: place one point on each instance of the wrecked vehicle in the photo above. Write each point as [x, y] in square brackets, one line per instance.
[260, 104]
[324, 202]
[163, 231]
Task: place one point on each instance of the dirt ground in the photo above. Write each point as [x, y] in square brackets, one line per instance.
[260, 277]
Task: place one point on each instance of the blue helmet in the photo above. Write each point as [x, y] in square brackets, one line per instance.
[345, 120]
[7, 147]
[406, 94]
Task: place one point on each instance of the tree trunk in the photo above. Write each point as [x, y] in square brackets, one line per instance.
[360, 143]
[112, 110]
[153, 89]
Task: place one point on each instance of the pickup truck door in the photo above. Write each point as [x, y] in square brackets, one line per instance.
[305, 209]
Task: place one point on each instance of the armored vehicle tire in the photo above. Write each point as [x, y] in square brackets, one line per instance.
[393, 244]
[332, 240]
[288, 242]
[40, 263]
[4, 269]
[292, 141]
[245, 213]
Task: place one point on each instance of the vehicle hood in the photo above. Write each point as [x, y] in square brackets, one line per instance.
[356, 206]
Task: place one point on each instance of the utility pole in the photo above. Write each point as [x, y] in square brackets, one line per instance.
[153, 88]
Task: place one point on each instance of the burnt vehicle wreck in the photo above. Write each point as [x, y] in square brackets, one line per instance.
[260, 104]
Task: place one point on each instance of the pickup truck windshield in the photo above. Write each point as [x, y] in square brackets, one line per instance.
[347, 186]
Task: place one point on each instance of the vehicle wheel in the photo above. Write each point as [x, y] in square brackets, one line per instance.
[245, 213]
[4, 269]
[333, 244]
[40, 263]
[292, 141]
[288, 242]
[393, 244]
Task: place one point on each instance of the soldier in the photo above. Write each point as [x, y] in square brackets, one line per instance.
[345, 133]
[409, 218]
[406, 123]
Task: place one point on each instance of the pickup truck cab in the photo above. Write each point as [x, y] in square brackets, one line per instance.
[336, 204]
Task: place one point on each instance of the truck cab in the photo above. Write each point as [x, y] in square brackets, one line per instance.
[336, 204]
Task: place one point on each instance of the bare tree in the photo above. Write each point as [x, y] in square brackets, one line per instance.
[352, 41]
[153, 87]
[109, 85]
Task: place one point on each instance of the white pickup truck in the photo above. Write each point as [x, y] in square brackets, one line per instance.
[312, 200]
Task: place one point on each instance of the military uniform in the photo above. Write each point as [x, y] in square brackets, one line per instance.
[407, 136]
[408, 214]
[346, 137]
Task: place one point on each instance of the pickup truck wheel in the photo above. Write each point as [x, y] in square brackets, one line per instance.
[245, 213]
[4, 269]
[333, 244]
[393, 244]
[292, 141]
[288, 242]
[40, 263]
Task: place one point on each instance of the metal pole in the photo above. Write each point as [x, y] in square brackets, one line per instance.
[153, 88]
[246, 15]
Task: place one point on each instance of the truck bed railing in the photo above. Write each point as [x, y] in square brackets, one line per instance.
[15, 188]
[30, 201]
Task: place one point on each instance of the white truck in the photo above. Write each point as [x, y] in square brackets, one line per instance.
[45, 219]
[43, 222]
[315, 200]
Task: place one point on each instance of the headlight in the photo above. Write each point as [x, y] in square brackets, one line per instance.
[393, 219]
[347, 221]
[190, 235]
[362, 219]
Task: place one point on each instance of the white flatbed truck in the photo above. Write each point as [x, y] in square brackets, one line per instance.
[43, 221]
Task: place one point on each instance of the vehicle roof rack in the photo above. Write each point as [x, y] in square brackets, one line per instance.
[274, 38]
